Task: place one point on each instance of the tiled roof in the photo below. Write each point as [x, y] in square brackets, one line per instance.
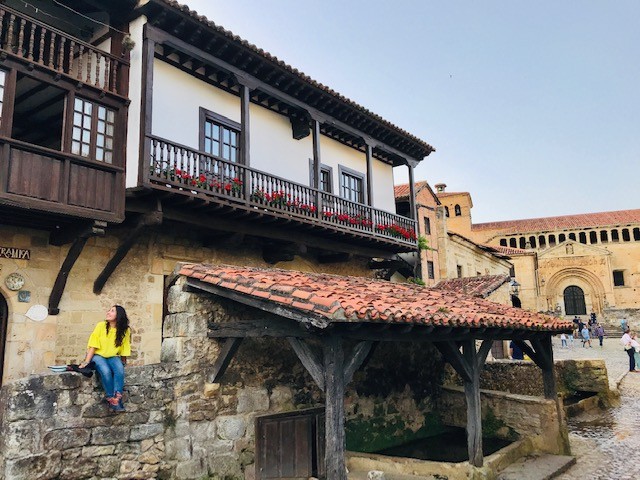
[356, 299]
[480, 286]
[482, 246]
[271, 58]
[450, 194]
[402, 191]
[549, 224]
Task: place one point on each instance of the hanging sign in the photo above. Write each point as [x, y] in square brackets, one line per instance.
[15, 253]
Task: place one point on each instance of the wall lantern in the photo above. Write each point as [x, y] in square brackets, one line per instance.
[515, 287]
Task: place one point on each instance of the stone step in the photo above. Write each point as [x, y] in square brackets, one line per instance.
[542, 467]
[362, 475]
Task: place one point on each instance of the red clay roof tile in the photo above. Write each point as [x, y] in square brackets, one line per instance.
[480, 286]
[358, 299]
[548, 224]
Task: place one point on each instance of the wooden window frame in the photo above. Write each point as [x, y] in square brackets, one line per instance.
[345, 171]
[323, 169]
[4, 75]
[93, 131]
[431, 272]
[457, 210]
[224, 122]
[427, 225]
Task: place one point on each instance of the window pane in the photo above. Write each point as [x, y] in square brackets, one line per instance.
[102, 113]
[101, 126]
[99, 154]
[88, 108]
[85, 150]
[77, 105]
[75, 148]
[111, 115]
[76, 133]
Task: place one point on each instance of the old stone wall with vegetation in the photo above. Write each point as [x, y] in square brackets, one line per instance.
[178, 425]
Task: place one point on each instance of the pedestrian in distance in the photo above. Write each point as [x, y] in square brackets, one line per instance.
[515, 352]
[600, 334]
[636, 348]
[586, 339]
[563, 340]
[625, 341]
[108, 348]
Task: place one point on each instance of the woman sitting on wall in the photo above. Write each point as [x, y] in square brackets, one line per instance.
[108, 347]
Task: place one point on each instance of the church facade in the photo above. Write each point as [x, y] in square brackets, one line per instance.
[572, 264]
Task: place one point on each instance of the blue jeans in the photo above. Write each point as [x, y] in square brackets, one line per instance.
[111, 372]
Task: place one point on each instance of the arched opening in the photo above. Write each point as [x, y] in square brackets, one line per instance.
[552, 240]
[604, 236]
[583, 237]
[446, 211]
[562, 237]
[503, 242]
[513, 243]
[593, 237]
[515, 302]
[532, 241]
[625, 235]
[542, 241]
[457, 210]
[636, 234]
[523, 243]
[574, 301]
[4, 320]
[572, 236]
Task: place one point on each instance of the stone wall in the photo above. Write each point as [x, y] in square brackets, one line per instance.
[508, 415]
[525, 377]
[137, 284]
[178, 425]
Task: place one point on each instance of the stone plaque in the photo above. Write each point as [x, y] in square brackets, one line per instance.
[15, 253]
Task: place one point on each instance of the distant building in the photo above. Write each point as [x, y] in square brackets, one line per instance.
[571, 264]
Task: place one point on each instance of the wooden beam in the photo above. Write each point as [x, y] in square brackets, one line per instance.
[545, 349]
[227, 351]
[310, 359]
[147, 220]
[63, 236]
[63, 274]
[354, 362]
[451, 353]
[334, 456]
[472, 395]
[369, 160]
[258, 328]
[483, 351]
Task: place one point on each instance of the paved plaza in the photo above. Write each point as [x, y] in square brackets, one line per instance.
[605, 443]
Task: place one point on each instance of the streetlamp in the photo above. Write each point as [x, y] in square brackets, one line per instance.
[515, 288]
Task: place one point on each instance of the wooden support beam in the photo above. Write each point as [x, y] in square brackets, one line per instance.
[310, 359]
[472, 395]
[63, 236]
[356, 359]
[63, 275]
[544, 350]
[259, 327]
[145, 221]
[451, 354]
[227, 351]
[334, 456]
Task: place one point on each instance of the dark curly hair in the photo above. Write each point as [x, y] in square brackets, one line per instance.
[122, 324]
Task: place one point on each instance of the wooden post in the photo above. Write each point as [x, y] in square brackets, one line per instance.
[369, 152]
[548, 374]
[148, 53]
[245, 142]
[474, 412]
[412, 195]
[334, 410]
[315, 130]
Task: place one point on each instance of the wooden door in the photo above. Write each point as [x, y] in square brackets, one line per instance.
[290, 445]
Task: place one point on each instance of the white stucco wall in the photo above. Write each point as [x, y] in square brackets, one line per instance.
[135, 92]
[177, 98]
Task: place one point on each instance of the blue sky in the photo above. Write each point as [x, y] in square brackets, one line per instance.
[533, 107]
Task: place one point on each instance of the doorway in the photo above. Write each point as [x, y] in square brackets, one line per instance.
[574, 303]
[4, 320]
[290, 445]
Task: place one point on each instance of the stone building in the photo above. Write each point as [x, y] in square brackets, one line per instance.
[139, 134]
[571, 264]
[451, 254]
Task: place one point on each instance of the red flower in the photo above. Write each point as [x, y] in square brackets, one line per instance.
[202, 178]
[227, 187]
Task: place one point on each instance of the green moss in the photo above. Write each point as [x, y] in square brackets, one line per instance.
[492, 426]
[378, 433]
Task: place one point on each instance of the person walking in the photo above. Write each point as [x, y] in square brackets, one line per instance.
[108, 348]
[600, 334]
[563, 340]
[625, 341]
[585, 336]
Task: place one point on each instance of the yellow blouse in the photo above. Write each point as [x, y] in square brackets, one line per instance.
[105, 343]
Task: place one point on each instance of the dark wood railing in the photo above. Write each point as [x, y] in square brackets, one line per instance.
[48, 47]
[191, 170]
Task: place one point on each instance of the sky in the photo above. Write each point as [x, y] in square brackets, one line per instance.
[532, 107]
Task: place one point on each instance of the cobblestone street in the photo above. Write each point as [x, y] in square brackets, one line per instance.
[605, 443]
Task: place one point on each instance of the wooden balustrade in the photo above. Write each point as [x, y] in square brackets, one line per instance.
[181, 167]
[48, 47]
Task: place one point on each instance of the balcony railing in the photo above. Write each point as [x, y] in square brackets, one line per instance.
[41, 44]
[193, 171]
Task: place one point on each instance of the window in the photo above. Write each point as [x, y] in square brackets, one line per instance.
[583, 237]
[219, 136]
[459, 270]
[625, 235]
[604, 237]
[457, 210]
[614, 236]
[618, 278]
[427, 226]
[326, 177]
[93, 130]
[593, 237]
[503, 242]
[572, 236]
[351, 185]
[430, 270]
[446, 212]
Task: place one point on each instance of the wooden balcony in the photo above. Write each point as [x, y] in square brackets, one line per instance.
[43, 47]
[35, 179]
[258, 196]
